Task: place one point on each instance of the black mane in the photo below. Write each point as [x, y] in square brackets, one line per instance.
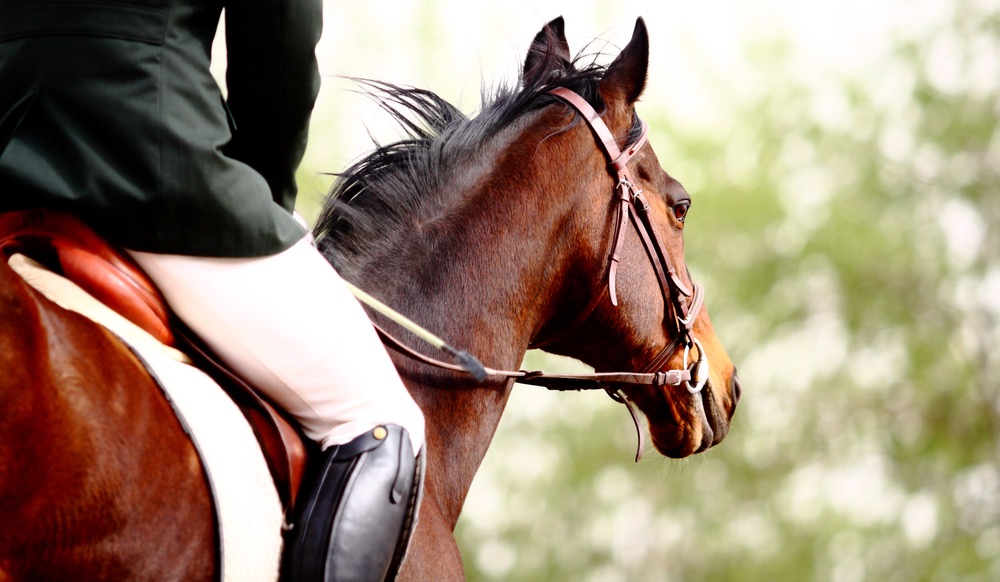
[385, 196]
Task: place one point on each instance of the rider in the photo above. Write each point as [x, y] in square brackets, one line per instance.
[108, 110]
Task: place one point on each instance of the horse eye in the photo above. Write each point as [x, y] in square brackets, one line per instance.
[681, 210]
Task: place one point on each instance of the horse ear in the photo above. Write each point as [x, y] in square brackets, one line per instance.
[626, 75]
[548, 56]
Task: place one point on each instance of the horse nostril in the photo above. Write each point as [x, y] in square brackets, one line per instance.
[735, 388]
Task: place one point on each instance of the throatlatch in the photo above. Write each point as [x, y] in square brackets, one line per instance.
[355, 519]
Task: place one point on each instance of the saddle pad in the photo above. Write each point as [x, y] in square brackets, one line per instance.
[247, 505]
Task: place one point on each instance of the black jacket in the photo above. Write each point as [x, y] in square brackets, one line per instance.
[108, 110]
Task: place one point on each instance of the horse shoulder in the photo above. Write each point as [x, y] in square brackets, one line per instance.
[433, 553]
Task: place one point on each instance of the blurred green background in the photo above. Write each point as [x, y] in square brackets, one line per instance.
[843, 159]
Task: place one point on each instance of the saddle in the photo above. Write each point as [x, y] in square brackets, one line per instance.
[66, 245]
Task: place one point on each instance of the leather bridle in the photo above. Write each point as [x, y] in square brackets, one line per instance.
[684, 303]
[632, 204]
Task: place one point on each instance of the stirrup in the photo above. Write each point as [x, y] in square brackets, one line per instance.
[355, 518]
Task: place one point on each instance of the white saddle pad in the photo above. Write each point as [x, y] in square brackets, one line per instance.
[247, 504]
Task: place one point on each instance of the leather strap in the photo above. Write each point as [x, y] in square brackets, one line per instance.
[619, 165]
[558, 382]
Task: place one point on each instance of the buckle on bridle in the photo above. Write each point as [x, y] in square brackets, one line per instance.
[629, 188]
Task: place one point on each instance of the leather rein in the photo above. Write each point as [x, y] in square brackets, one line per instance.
[684, 303]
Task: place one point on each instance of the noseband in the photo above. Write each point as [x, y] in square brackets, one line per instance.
[682, 303]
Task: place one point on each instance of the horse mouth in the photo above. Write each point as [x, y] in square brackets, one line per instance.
[690, 424]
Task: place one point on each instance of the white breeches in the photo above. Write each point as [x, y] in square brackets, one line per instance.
[287, 324]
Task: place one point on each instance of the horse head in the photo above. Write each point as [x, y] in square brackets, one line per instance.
[638, 317]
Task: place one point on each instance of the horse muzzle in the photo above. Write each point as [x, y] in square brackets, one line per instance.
[696, 421]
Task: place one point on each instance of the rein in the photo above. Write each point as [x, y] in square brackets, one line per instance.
[633, 207]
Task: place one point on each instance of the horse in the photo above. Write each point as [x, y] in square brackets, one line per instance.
[494, 231]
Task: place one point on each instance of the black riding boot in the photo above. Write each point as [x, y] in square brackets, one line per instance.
[353, 522]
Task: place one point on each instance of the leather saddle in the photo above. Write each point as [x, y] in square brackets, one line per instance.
[66, 245]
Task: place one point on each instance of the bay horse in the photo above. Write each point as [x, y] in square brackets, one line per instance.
[493, 231]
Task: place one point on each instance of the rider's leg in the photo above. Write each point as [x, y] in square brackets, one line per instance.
[360, 510]
[289, 326]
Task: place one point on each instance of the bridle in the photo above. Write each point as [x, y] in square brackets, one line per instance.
[684, 303]
[632, 204]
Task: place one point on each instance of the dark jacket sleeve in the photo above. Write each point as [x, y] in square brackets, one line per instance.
[273, 80]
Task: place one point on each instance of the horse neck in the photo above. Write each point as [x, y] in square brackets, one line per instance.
[486, 291]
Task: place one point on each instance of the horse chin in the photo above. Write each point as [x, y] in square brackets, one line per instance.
[691, 427]
[678, 444]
